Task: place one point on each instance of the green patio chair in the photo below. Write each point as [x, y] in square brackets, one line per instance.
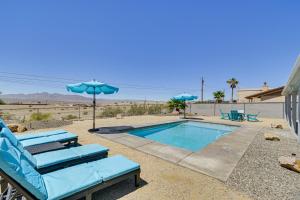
[224, 115]
[234, 115]
[252, 117]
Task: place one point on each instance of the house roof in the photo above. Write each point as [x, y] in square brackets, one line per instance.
[264, 93]
[250, 89]
[293, 84]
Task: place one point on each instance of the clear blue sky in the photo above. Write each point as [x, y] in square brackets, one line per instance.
[150, 49]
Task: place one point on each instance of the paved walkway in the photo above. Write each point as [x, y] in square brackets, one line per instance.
[218, 159]
[161, 179]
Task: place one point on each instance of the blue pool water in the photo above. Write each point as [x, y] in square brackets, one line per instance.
[190, 135]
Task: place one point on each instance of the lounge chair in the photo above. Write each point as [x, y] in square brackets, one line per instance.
[50, 161]
[252, 117]
[44, 143]
[29, 136]
[79, 181]
[45, 137]
[69, 138]
[224, 115]
[34, 135]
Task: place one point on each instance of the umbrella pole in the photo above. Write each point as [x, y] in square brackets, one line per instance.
[184, 110]
[94, 112]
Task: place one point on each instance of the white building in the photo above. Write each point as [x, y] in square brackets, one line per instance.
[292, 95]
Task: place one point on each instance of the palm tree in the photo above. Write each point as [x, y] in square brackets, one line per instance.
[219, 95]
[232, 83]
[176, 104]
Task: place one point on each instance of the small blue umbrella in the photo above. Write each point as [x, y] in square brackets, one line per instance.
[92, 87]
[185, 97]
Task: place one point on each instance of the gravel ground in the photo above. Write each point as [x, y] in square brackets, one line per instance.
[259, 174]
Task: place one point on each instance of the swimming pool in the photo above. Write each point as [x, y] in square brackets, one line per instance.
[189, 135]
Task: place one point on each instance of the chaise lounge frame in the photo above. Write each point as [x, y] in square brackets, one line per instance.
[87, 193]
[51, 146]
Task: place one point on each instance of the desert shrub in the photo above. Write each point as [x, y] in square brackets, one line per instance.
[2, 102]
[69, 117]
[85, 113]
[177, 105]
[40, 116]
[111, 112]
[154, 109]
[137, 110]
[6, 115]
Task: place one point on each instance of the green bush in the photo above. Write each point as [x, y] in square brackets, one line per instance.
[111, 112]
[6, 115]
[177, 105]
[40, 116]
[2, 102]
[154, 109]
[85, 113]
[69, 117]
[137, 110]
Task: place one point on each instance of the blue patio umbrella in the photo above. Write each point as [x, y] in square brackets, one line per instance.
[185, 97]
[94, 88]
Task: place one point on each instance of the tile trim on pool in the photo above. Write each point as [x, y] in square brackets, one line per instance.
[217, 159]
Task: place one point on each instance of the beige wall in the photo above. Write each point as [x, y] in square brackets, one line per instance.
[270, 98]
[241, 94]
[273, 98]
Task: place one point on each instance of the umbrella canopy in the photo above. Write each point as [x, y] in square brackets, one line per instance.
[185, 97]
[94, 88]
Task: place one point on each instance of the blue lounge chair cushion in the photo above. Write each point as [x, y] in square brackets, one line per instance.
[16, 165]
[54, 157]
[2, 124]
[115, 166]
[68, 181]
[39, 134]
[48, 139]
[6, 133]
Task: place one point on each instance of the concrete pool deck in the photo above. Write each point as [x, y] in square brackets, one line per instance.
[163, 179]
[217, 160]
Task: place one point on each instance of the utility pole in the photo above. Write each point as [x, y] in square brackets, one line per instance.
[202, 86]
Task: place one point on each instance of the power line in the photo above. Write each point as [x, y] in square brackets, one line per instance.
[55, 85]
[66, 80]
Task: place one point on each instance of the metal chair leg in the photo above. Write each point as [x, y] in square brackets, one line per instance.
[9, 192]
[137, 180]
[88, 197]
[2, 195]
[3, 184]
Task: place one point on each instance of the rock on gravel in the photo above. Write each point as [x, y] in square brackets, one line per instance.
[259, 174]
